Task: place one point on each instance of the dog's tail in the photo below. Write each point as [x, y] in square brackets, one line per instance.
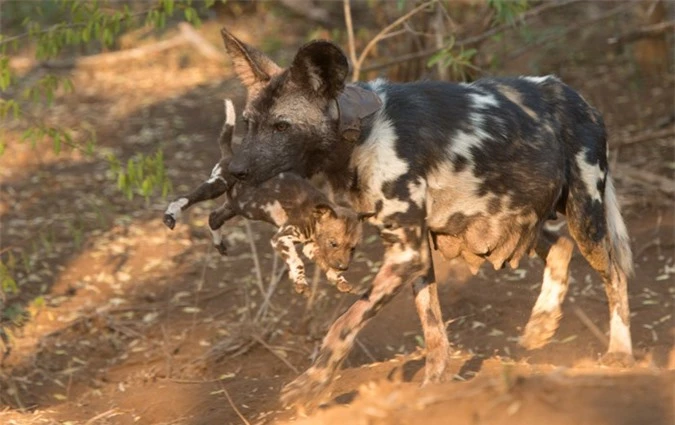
[619, 242]
[227, 132]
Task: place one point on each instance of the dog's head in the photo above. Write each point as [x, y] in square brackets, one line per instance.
[296, 117]
[337, 232]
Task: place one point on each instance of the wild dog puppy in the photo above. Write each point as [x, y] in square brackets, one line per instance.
[481, 167]
[301, 212]
[217, 184]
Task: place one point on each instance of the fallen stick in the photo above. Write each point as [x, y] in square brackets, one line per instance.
[643, 137]
[661, 183]
[649, 31]
[591, 326]
[234, 407]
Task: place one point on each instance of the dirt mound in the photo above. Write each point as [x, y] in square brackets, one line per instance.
[557, 398]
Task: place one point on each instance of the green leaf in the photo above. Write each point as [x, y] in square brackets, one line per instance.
[56, 140]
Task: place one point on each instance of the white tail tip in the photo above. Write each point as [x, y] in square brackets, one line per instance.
[229, 113]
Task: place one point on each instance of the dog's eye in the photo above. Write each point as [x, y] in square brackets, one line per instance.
[333, 244]
[281, 126]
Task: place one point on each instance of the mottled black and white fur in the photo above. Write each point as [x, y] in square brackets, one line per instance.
[479, 167]
[301, 213]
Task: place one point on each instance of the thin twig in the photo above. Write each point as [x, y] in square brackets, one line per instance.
[648, 31]
[236, 410]
[591, 326]
[350, 30]
[104, 415]
[365, 350]
[277, 355]
[313, 291]
[644, 137]
[256, 258]
[474, 39]
[379, 36]
[268, 296]
[662, 183]
[569, 29]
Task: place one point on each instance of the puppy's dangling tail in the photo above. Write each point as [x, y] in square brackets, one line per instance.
[227, 132]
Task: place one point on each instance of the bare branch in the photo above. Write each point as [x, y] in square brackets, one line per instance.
[350, 30]
[572, 28]
[474, 39]
[358, 64]
[648, 31]
[643, 137]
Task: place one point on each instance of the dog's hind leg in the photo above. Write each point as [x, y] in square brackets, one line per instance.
[556, 251]
[403, 264]
[600, 233]
[433, 327]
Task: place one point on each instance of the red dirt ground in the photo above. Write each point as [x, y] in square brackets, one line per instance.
[143, 325]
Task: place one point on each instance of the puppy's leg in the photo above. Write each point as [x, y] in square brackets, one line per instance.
[210, 189]
[284, 243]
[216, 220]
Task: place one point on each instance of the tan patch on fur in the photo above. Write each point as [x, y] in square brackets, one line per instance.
[515, 96]
[449, 192]
[276, 212]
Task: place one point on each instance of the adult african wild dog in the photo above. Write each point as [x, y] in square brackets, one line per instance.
[479, 167]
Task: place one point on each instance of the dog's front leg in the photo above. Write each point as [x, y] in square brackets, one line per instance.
[284, 243]
[210, 189]
[406, 258]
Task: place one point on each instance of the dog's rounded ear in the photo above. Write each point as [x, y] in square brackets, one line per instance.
[251, 66]
[321, 67]
[322, 210]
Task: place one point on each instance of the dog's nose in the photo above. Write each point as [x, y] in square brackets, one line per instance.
[341, 267]
[240, 171]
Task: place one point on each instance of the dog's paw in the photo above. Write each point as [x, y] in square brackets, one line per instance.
[618, 359]
[301, 287]
[540, 329]
[222, 248]
[304, 391]
[343, 286]
[169, 221]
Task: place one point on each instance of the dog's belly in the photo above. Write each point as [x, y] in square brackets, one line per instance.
[482, 227]
[498, 241]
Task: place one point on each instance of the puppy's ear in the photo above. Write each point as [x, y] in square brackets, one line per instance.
[323, 210]
[321, 68]
[253, 68]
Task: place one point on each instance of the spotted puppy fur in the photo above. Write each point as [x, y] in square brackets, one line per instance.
[480, 167]
[301, 212]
